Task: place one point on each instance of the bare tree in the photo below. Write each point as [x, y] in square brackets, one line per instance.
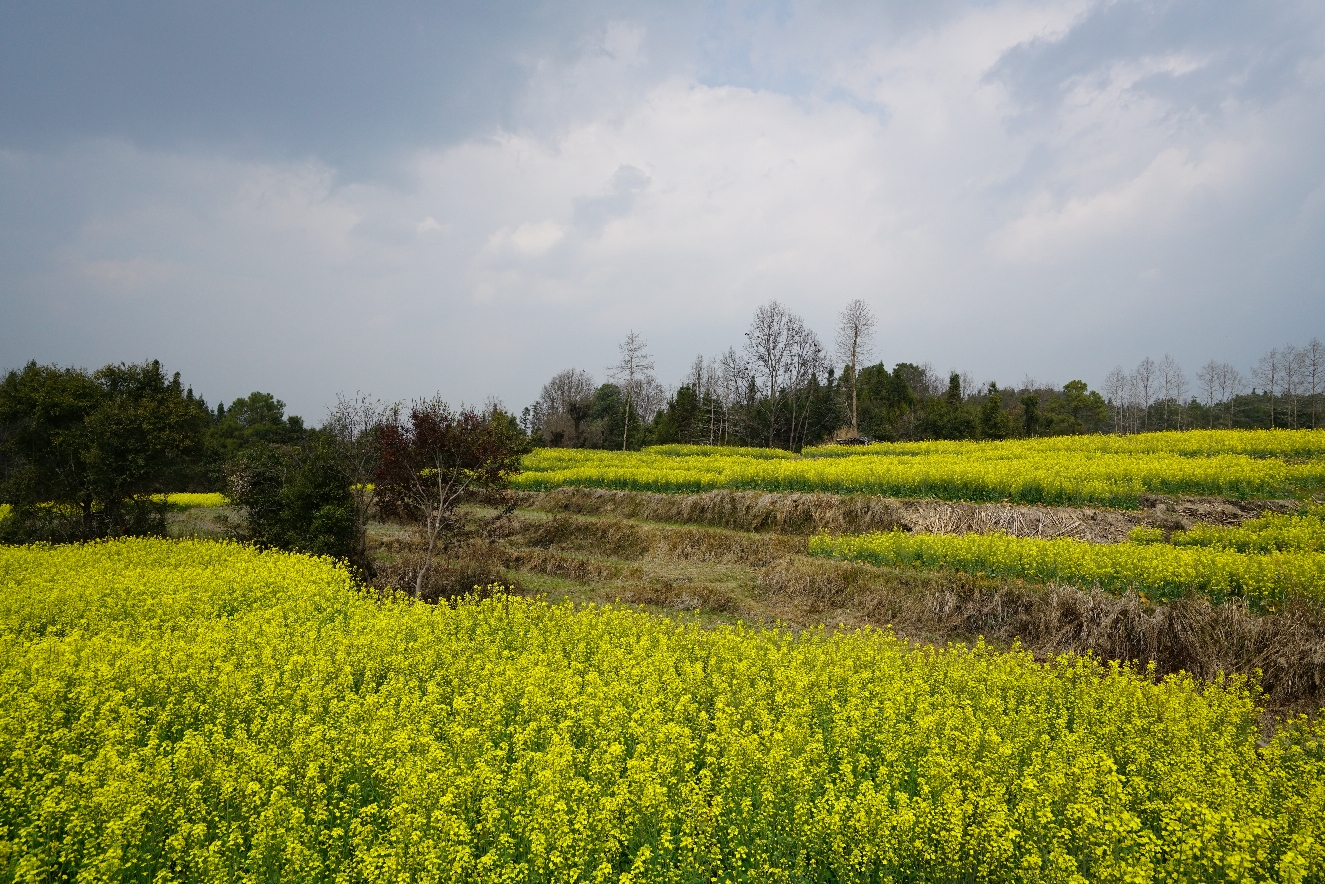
[733, 383]
[1115, 387]
[1231, 386]
[1180, 391]
[562, 407]
[1313, 374]
[1208, 377]
[1267, 374]
[768, 344]
[630, 373]
[650, 398]
[353, 424]
[807, 361]
[1172, 383]
[1144, 382]
[1291, 371]
[855, 341]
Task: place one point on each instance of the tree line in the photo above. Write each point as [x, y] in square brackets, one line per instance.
[88, 455]
[785, 388]
[91, 454]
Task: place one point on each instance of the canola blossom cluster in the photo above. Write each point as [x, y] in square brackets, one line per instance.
[1291, 444]
[1103, 470]
[202, 711]
[1156, 570]
[189, 499]
[1271, 532]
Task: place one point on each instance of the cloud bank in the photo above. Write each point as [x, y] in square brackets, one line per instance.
[308, 201]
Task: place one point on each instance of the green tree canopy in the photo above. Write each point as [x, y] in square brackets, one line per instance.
[82, 455]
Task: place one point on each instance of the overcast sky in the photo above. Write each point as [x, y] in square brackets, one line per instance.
[465, 198]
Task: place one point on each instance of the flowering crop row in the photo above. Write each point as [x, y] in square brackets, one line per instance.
[190, 499]
[1156, 570]
[1268, 533]
[718, 451]
[199, 711]
[982, 472]
[1293, 444]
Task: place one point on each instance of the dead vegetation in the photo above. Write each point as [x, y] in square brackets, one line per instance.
[803, 513]
[744, 554]
[1189, 634]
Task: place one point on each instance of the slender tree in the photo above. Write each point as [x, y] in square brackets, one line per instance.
[1143, 380]
[1115, 388]
[1291, 373]
[633, 373]
[1208, 377]
[1231, 386]
[769, 344]
[1313, 364]
[1267, 374]
[1173, 383]
[855, 342]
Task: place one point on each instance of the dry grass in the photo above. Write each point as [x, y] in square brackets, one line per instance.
[1191, 634]
[457, 570]
[736, 510]
[618, 539]
[804, 514]
[754, 566]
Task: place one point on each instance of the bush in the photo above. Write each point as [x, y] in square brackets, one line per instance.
[296, 498]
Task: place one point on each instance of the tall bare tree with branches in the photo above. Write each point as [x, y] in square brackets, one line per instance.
[1172, 384]
[806, 363]
[768, 344]
[1208, 378]
[855, 342]
[1144, 382]
[1291, 373]
[1267, 373]
[1231, 386]
[1115, 391]
[1313, 368]
[633, 373]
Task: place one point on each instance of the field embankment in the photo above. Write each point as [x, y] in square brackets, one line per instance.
[724, 574]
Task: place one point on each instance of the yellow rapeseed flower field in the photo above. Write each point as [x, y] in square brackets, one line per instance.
[201, 711]
[190, 499]
[1156, 570]
[1104, 470]
[1270, 532]
[1292, 444]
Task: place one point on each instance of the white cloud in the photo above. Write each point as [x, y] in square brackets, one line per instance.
[986, 232]
[1154, 204]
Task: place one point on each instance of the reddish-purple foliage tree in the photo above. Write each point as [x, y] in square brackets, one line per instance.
[434, 460]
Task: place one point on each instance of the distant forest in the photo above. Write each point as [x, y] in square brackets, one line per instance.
[784, 388]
